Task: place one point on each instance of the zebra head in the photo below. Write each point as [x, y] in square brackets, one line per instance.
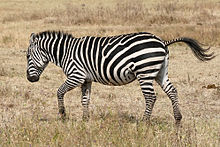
[37, 59]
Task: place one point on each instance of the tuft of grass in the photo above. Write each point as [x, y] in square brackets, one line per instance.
[7, 39]
[5, 90]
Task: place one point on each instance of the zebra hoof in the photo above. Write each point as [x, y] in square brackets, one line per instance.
[178, 118]
[146, 119]
[62, 116]
[86, 115]
[178, 123]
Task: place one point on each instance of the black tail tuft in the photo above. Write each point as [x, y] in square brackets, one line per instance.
[197, 50]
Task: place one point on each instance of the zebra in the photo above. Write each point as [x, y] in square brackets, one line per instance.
[110, 60]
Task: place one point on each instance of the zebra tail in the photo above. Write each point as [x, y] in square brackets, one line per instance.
[197, 50]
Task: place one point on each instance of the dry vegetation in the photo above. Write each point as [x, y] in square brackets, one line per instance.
[28, 112]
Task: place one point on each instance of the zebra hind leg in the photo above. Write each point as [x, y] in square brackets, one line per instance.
[86, 91]
[163, 80]
[171, 91]
[149, 95]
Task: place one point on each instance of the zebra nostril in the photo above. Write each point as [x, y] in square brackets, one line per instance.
[32, 78]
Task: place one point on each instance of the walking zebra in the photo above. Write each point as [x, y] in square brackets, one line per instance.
[114, 60]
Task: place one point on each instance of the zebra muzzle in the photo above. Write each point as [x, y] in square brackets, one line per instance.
[33, 78]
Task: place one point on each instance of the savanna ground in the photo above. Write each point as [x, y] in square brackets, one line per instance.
[29, 113]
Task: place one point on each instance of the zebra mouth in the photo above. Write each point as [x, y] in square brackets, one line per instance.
[33, 78]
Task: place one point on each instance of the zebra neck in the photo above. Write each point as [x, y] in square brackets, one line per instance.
[57, 51]
[53, 58]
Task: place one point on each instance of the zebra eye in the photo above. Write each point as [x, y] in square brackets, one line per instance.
[35, 43]
[28, 55]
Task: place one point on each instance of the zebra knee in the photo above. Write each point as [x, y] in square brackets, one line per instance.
[60, 93]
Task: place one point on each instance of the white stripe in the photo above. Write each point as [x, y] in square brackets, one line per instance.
[58, 50]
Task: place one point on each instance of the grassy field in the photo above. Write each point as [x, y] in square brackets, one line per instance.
[29, 113]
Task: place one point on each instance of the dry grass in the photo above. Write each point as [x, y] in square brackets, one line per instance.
[28, 112]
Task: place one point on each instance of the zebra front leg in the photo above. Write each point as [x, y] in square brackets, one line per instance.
[65, 87]
[60, 94]
[86, 91]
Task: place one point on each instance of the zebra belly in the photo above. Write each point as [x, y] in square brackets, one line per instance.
[130, 79]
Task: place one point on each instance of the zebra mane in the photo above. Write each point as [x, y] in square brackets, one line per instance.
[57, 33]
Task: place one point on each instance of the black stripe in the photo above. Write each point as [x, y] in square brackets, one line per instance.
[147, 78]
[151, 63]
[55, 49]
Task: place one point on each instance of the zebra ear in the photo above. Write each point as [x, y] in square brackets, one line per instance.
[32, 37]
